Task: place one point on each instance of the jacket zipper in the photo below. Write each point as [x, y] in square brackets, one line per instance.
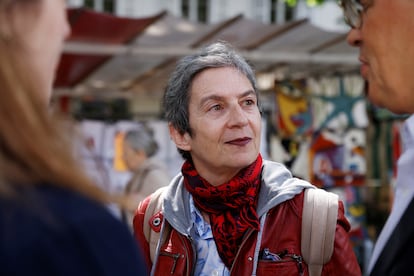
[299, 261]
[281, 257]
[246, 236]
[190, 240]
[175, 258]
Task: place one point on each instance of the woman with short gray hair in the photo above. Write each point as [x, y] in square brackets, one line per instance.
[149, 174]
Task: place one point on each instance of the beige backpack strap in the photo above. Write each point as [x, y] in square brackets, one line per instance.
[153, 220]
[319, 218]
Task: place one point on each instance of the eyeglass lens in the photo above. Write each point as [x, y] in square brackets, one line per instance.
[352, 12]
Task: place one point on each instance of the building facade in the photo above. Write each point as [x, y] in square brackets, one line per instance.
[207, 11]
[327, 16]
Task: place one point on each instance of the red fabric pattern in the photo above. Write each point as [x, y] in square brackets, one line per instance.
[231, 205]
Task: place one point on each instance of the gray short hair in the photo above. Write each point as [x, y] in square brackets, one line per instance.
[177, 95]
[142, 139]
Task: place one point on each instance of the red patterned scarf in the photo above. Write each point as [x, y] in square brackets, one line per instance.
[231, 205]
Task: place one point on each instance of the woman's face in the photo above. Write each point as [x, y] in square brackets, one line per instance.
[226, 124]
[133, 158]
[42, 27]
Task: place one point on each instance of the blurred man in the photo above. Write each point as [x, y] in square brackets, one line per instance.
[383, 31]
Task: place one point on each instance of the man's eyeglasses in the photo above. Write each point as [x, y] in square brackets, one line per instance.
[352, 12]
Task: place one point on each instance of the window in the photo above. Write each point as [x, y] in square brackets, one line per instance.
[108, 5]
[287, 13]
[202, 8]
[185, 9]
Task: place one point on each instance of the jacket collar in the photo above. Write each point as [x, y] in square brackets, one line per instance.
[277, 186]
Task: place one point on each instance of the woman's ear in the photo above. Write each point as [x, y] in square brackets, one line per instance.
[182, 141]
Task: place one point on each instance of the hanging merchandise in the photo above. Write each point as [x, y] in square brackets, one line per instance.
[294, 116]
[338, 103]
[338, 159]
[322, 125]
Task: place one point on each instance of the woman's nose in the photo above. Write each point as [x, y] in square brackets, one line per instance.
[237, 116]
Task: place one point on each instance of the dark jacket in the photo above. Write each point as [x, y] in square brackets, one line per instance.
[281, 201]
[397, 255]
[51, 231]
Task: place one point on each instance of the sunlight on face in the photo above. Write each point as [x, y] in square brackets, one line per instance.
[225, 122]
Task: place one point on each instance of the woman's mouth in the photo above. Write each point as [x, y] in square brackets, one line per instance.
[240, 142]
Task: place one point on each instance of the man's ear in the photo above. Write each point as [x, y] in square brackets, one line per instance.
[182, 141]
[5, 27]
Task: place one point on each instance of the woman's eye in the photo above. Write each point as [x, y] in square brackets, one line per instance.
[250, 102]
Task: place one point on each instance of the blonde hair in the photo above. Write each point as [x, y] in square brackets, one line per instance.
[34, 144]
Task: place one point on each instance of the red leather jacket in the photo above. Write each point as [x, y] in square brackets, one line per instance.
[279, 208]
[281, 233]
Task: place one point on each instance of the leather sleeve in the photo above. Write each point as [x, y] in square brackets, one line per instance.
[138, 223]
[343, 261]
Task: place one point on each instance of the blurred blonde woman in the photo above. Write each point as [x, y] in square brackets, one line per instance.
[52, 218]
